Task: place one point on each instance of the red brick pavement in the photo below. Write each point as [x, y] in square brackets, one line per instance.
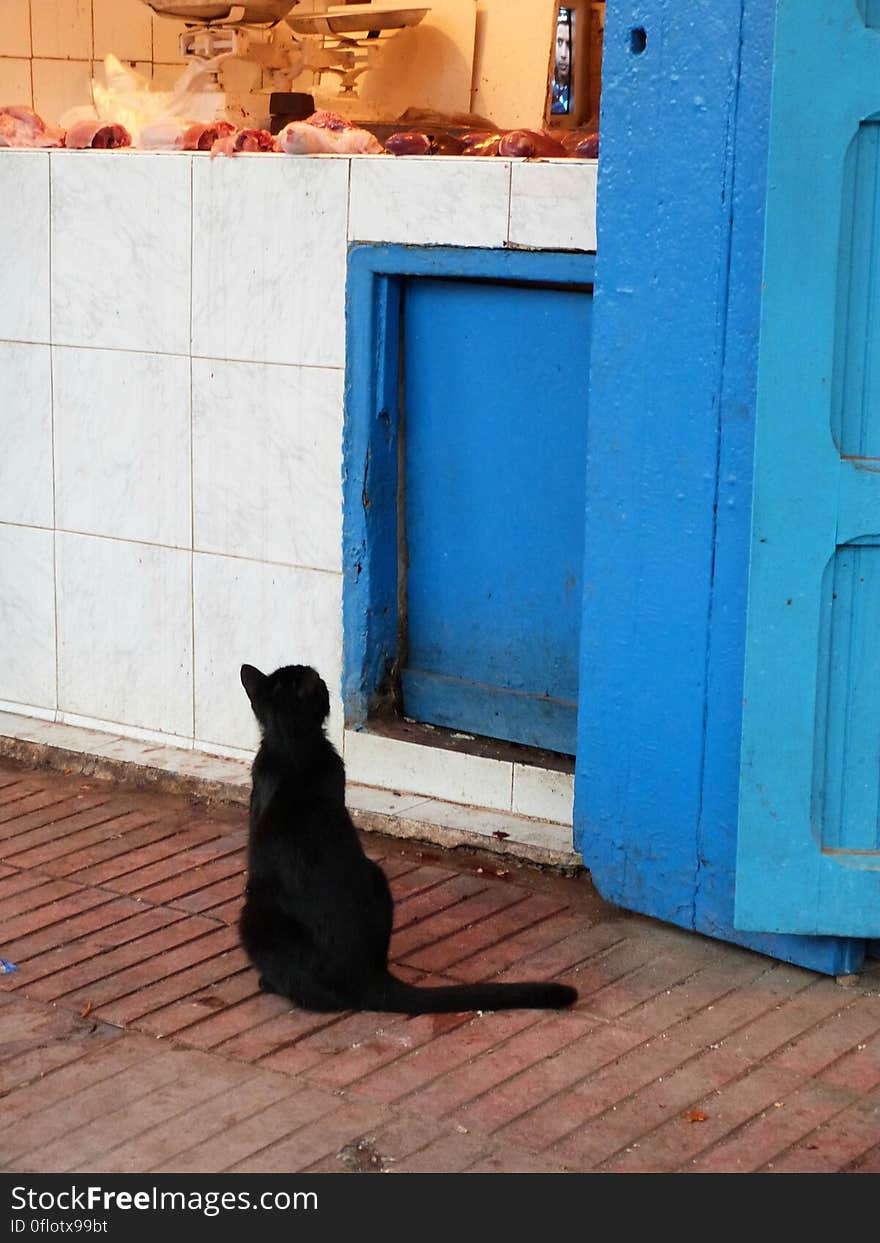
[133, 1036]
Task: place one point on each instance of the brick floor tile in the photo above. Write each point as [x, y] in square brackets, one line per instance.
[466, 1091]
[218, 894]
[226, 1024]
[441, 954]
[116, 996]
[195, 880]
[172, 1083]
[857, 1070]
[553, 960]
[427, 903]
[97, 931]
[13, 882]
[136, 1008]
[868, 1164]
[212, 996]
[408, 883]
[701, 989]
[840, 1033]
[440, 924]
[23, 927]
[50, 1051]
[58, 847]
[119, 844]
[678, 1140]
[446, 1053]
[448, 1154]
[399, 1036]
[109, 871]
[248, 1136]
[57, 819]
[56, 1092]
[325, 1134]
[126, 967]
[836, 1144]
[32, 899]
[489, 961]
[28, 797]
[775, 1130]
[248, 1097]
[165, 869]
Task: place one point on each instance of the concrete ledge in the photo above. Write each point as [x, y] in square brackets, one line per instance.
[175, 770]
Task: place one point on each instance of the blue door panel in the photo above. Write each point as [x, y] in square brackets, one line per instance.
[496, 422]
[809, 848]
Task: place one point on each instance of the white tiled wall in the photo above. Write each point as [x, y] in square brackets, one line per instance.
[171, 402]
[51, 49]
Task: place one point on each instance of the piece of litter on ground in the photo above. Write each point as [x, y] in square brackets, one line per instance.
[7, 967]
[695, 1115]
[500, 835]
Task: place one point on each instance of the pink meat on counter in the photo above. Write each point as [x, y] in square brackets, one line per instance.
[200, 137]
[530, 144]
[22, 127]
[480, 143]
[414, 142]
[98, 135]
[328, 120]
[243, 140]
[176, 135]
[582, 144]
[304, 138]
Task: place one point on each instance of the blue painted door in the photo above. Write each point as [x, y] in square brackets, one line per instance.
[808, 857]
[495, 419]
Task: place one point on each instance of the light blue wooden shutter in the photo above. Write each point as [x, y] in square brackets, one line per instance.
[808, 856]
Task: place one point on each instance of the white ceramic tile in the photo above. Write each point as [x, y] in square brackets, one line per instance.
[123, 27]
[263, 615]
[391, 764]
[125, 633]
[62, 29]
[120, 737]
[452, 202]
[121, 250]
[553, 204]
[544, 794]
[122, 451]
[165, 77]
[381, 802]
[269, 259]
[60, 85]
[13, 724]
[15, 82]
[27, 616]
[166, 33]
[267, 444]
[488, 824]
[25, 434]
[24, 270]
[15, 28]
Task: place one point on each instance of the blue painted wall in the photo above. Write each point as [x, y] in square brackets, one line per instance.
[677, 301]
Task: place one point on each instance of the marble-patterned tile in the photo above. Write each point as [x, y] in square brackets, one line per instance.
[25, 434]
[123, 27]
[553, 204]
[15, 28]
[60, 85]
[121, 250]
[27, 616]
[125, 633]
[63, 29]
[543, 793]
[286, 220]
[122, 444]
[24, 271]
[426, 201]
[389, 763]
[267, 442]
[263, 615]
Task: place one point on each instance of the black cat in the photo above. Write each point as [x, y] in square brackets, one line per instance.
[317, 916]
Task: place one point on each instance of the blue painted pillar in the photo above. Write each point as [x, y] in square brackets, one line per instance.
[677, 300]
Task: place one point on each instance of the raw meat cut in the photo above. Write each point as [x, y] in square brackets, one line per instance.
[530, 143]
[304, 138]
[22, 127]
[244, 140]
[99, 135]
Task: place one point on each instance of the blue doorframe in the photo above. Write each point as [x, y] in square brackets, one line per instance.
[673, 377]
[370, 442]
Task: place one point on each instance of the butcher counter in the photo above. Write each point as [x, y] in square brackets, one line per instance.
[172, 388]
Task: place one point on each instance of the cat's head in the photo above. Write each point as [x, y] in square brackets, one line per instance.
[293, 698]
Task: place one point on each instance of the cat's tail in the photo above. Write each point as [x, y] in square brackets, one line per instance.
[389, 993]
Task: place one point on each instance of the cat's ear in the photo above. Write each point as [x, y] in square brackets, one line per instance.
[313, 691]
[252, 680]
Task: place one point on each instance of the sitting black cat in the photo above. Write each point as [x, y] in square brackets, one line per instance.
[317, 915]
